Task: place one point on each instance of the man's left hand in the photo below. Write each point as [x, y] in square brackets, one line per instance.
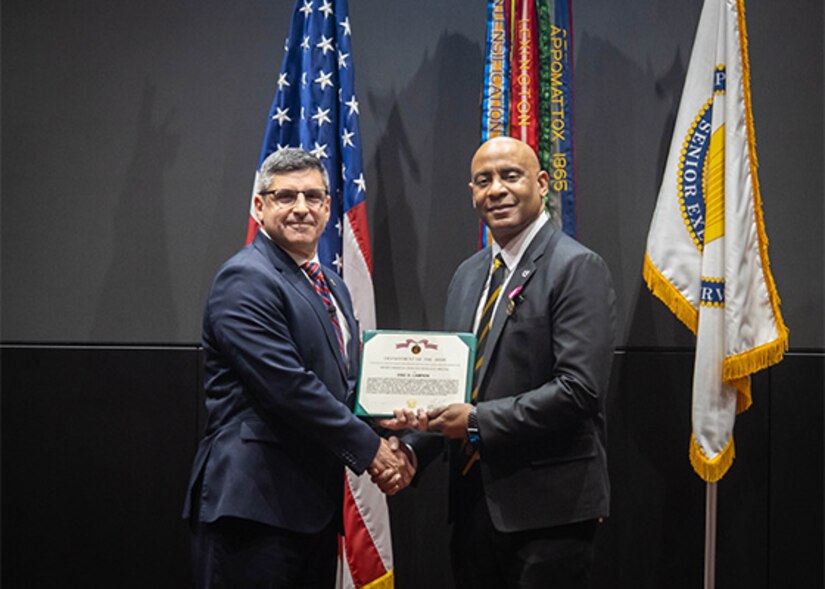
[450, 421]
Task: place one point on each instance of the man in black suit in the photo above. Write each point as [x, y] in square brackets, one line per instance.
[281, 350]
[528, 474]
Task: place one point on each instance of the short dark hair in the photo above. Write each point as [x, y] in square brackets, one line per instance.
[288, 159]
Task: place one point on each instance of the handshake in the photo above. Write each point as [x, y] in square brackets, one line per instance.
[394, 465]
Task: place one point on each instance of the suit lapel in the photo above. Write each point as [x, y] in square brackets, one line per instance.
[516, 287]
[296, 277]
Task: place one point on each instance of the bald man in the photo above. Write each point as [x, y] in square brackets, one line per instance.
[528, 474]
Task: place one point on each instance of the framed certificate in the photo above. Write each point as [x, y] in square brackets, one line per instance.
[413, 370]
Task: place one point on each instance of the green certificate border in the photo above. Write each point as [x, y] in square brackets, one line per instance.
[467, 338]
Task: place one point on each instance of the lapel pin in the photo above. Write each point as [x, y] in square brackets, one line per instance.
[512, 297]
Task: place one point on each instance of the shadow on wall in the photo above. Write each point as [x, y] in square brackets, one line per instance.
[423, 225]
[621, 146]
[453, 223]
[650, 322]
[395, 244]
[136, 296]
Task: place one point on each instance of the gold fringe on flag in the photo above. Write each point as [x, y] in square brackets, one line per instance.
[743, 393]
[773, 352]
[669, 295]
[711, 470]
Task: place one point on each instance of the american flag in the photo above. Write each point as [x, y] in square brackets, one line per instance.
[315, 108]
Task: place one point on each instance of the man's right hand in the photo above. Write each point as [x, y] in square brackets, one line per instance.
[391, 469]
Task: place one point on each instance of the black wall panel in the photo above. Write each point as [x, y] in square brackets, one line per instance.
[420, 534]
[97, 444]
[653, 537]
[795, 513]
[96, 447]
[744, 534]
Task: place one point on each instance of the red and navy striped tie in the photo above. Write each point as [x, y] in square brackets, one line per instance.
[313, 270]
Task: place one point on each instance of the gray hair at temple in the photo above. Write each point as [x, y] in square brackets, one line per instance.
[289, 159]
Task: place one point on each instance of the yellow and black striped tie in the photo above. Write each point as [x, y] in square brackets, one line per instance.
[496, 282]
[484, 322]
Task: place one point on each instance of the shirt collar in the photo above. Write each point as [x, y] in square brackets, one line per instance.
[515, 248]
[299, 261]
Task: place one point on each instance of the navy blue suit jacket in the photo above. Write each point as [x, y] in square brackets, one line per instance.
[279, 397]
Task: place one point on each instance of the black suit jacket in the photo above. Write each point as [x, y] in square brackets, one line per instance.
[279, 397]
[541, 400]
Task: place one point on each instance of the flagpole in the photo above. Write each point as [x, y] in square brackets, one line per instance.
[710, 535]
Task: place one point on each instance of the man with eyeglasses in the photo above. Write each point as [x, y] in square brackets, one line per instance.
[281, 348]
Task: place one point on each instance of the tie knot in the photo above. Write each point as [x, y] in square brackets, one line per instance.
[313, 269]
[498, 262]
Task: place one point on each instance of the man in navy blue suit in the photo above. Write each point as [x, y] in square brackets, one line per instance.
[281, 349]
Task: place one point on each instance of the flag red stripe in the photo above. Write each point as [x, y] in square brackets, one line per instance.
[365, 564]
[251, 229]
[358, 221]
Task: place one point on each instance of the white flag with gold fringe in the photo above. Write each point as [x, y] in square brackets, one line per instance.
[707, 256]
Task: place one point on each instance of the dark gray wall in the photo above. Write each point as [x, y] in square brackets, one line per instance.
[130, 131]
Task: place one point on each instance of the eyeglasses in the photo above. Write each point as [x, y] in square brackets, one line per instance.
[286, 197]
